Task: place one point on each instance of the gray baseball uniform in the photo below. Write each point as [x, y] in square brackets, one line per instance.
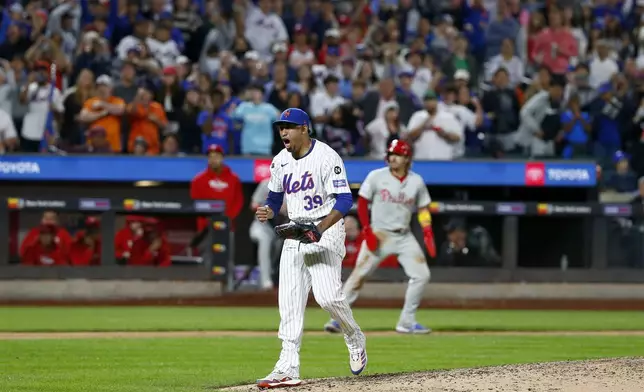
[392, 204]
[264, 236]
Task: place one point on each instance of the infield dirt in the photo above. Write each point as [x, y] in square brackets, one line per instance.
[606, 375]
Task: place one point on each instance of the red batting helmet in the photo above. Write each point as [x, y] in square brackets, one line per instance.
[399, 147]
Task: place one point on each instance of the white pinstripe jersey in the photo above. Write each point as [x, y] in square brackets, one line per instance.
[309, 183]
[392, 200]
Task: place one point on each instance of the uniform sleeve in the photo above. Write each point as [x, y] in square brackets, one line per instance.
[275, 183]
[422, 198]
[335, 175]
[367, 188]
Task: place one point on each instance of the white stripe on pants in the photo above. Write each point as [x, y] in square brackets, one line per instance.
[316, 266]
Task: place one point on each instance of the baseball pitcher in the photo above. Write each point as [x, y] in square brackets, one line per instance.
[310, 176]
[394, 192]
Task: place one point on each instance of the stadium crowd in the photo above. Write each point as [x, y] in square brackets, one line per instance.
[459, 78]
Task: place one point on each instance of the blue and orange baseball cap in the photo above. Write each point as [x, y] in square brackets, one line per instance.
[293, 117]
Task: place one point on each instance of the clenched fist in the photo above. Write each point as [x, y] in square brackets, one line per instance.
[264, 213]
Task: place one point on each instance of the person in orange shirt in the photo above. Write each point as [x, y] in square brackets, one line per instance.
[61, 237]
[147, 119]
[105, 111]
[45, 250]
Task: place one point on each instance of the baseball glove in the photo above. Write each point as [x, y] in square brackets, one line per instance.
[306, 233]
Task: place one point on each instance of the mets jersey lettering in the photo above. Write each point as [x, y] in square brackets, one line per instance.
[393, 201]
[304, 184]
[310, 183]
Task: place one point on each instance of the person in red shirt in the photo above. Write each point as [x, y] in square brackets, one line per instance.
[61, 236]
[218, 182]
[151, 248]
[125, 237]
[86, 248]
[45, 250]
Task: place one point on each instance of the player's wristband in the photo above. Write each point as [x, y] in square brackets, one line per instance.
[424, 218]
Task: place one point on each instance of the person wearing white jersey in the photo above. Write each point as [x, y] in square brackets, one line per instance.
[310, 176]
[263, 28]
[264, 236]
[436, 132]
[465, 117]
[394, 192]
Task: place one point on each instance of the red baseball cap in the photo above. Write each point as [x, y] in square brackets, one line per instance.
[215, 148]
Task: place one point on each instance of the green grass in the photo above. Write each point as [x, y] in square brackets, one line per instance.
[31, 319]
[203, 364]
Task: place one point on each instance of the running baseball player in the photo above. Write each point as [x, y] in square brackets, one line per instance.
[394, 193]
[310, 176]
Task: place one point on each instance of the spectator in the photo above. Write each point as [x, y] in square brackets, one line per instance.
[422, 76]
[461, 59]
[603, 67]
[44, 250]
[97, 142]
[189, 131]
[86, 247]
[406, 77]
[501, 107]
[339, 133]
[374, 102]
[575, 135]
[277, 91]
[434, 131]
[8, 135]
[465, 117]
[323, 101]
[555, 45]
[579, 84]
[301, 52]
[216, 125]
[151, 248]
[105, 111]
[147, 119]
[257, 123]
[141, 146]
[170, 95]
[37, 95]
[508, 61]
[606, 111]
[381, 131]
[474, 140]
[622, 179]
[170, 146]
[533, 115]
[502, 27]
[16, 44]
[263, 27]
[7, 86]
[134, 41]
[73, 101]
[162, 47]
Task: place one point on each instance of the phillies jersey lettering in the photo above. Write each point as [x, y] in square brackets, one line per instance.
[309, 183]
[393, 201]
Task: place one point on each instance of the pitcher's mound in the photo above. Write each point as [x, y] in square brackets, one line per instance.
[606, 375]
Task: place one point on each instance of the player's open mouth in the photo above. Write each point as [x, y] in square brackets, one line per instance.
[286, 142]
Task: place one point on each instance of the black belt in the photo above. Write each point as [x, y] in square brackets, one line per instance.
[399, 231]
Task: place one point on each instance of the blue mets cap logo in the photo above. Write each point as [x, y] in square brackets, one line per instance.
[286, 113]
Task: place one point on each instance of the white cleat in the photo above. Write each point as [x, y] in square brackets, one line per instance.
[415, 329]
[358, 361]
[278, 380]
